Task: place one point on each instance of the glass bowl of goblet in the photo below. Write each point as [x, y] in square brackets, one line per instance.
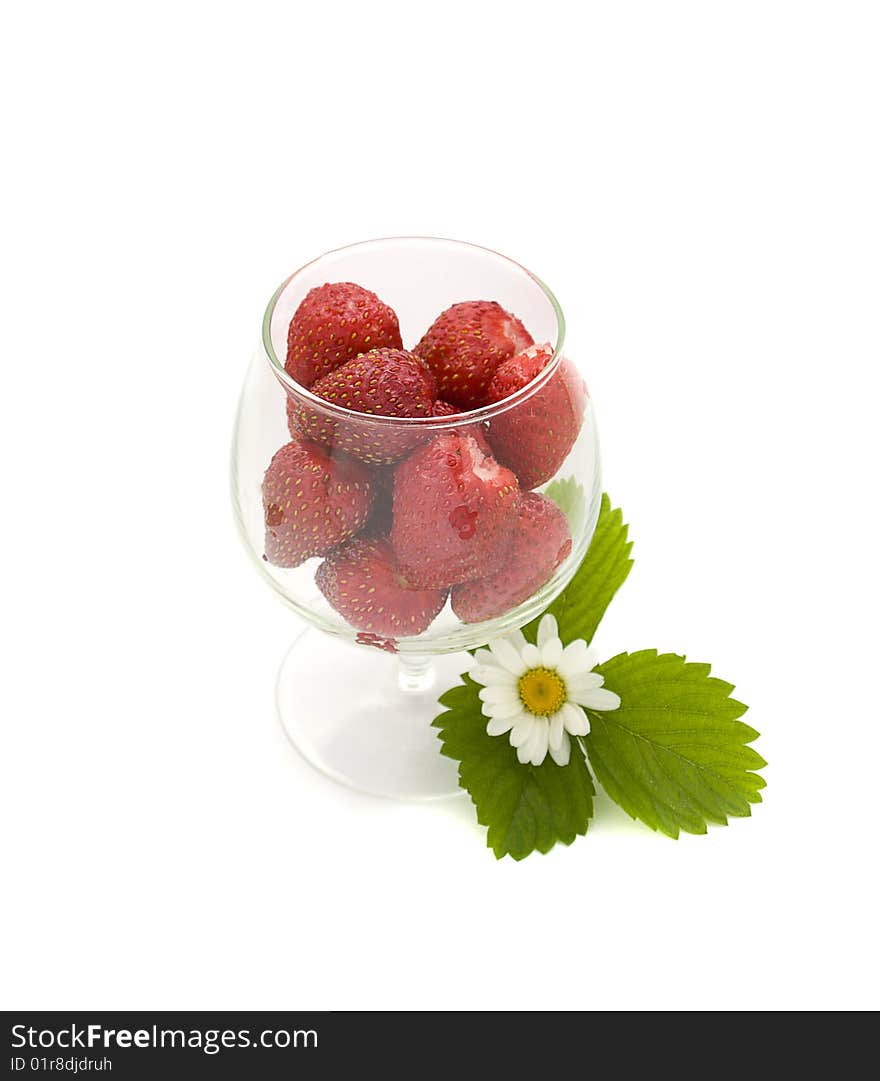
[403, 542]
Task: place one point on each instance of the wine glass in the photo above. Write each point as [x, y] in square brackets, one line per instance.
[356, 703]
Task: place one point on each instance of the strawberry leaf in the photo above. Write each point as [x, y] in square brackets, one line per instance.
[674, 753]
[568, 494]
[526, 808]
[581, 605]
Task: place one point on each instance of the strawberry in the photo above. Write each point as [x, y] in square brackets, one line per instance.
[454, 511]
[383, 382]
[388, 644]
[379, 524]
[311, 502]
[334, 323]
[293, 407]
[541, 541]
[465, 345]
[440, 409]
[533, 438]
[478, 430]
[444, 409]
[363, 582]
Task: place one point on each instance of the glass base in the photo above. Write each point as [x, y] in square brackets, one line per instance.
[363, 716]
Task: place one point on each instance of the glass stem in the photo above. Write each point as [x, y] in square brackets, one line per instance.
[415, 673]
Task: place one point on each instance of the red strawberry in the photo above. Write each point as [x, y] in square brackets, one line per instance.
[534, 438]
[465, 345]
[379, 524]
[311, 502]
[441, 409]
[334, 323]
[478, 430]
[292, 407]
[541, 541]
[388, 644]
[454, 511]
[383, 382]
[362, 581]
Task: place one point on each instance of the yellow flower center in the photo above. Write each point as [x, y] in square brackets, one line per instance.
[541, 691]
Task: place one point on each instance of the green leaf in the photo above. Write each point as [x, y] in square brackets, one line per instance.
[673, 754]
[568, 494]
[525, 807]
[581, 605]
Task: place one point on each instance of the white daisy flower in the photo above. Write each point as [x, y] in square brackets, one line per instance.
[536, 693]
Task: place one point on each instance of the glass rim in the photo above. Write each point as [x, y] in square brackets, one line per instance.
[485, 412]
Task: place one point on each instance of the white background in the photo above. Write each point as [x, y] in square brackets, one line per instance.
[699, 184]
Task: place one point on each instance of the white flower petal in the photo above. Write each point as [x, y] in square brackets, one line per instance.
[575, 720]
[584, 681]
[522, 729]
[531, 655]
[498, 694]
[582, 695]
[547, 629]
[602, 699]
[557, 730]
[581, 698]
[539, 750]
[525, 751]
[551, 653]
[491, 675]
[573, 658]
[483, 656]
[577, 659]
[501, 709]
[499, 725]
[517, 639]
[507, 656]
[562, 753]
